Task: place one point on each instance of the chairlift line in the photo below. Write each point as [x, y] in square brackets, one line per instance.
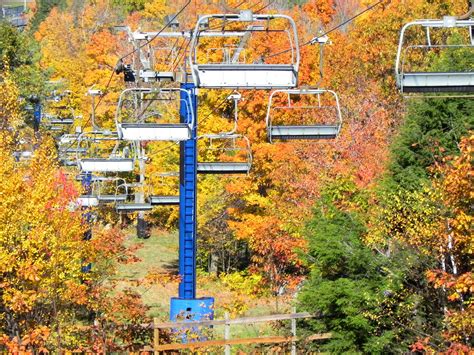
[154, 112]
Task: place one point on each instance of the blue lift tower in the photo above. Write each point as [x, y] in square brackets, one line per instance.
[186, 306]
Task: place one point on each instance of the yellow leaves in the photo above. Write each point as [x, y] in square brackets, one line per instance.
[412, 217]
[156, 9]
[10, 111]
[82, 52]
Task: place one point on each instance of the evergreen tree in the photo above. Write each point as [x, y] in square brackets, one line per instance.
[44, 7]
[371, 302]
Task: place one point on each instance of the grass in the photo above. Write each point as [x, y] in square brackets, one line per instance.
[160, 252]
[13, 3]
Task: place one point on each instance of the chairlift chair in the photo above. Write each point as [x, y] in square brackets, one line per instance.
[160, 196]
[145, 63]
[138, 106]
[232, 150]
[104, 153]
[67, 149]
[303, 105]
[411, 79]
[112, 190]
[22, 155]
[228, 66]
[132, 203]
[61, 121]
[89, 199]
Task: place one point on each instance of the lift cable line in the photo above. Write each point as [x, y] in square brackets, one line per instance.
[158, 33]
[130, 53]
[142, 115]
[317, 38]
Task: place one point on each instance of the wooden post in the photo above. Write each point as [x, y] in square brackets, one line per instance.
[156, 336]
[293, 334]
[226, 334]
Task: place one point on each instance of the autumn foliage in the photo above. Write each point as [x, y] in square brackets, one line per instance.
[378, 222]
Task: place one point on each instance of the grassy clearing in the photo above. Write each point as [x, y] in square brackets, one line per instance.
[13, 3]
[160, 252]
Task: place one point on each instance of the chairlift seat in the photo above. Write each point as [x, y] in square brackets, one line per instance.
[106, 165]
[437, 82]
[88, 201]
[303, 132]
[55, 128]
[73, 150]
[154, 131]
[257, 76]
[67, 162]
[59, 121]
[164, 200]
[111, 198]
[223, 167]
[133, 207]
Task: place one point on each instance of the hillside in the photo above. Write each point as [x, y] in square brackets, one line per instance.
[184, 160]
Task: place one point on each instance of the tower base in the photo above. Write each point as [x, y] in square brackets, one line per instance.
[196, 309]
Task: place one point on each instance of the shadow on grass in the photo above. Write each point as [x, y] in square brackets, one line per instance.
[172, 267]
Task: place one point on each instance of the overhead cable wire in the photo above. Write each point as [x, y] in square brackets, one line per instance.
[130, 53]
[315, 39]
[263, 8]
[158, 33]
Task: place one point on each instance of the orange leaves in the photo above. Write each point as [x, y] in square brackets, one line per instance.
[460, 284]
[456, 186]
[319, 11]
[36, 339]
[274, 248]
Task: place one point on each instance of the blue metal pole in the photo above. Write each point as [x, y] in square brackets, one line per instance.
[188, 200]
[186, 306]
[37, 116]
